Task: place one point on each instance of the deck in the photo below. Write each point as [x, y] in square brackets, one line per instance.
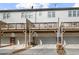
[38, 27]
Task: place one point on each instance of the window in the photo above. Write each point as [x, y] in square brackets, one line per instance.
[74, 13]
[30, 16]
[40, 13]
[51, 14]
[78, 13]
[69, 13]
[6, 15]
[26, 15]
[22, 15]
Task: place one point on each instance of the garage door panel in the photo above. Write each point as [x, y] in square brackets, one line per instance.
[20, 39]
[5, 41]
[47, 40]
[71, 40]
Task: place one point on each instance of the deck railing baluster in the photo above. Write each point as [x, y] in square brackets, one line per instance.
[53, 25]
[16, 25]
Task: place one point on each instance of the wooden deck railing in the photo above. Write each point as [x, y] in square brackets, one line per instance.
[45, 25]
[53, 25]
[71, 25]
[13, 26]
[50, 25]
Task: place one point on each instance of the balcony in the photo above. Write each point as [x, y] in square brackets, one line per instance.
[10, 26]
[44, 25]
[71, 25]
[41, 26]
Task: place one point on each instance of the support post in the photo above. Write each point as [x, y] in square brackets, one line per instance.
[60, 48]
[61, 31]
[58, 31]
[62, 41]
[29, 37]
[26, 42]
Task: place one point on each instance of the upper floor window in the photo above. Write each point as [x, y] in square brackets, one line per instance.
[22, 15]
[69, 13]
[51, 14]
[26, 15]
[30, 16]
[40, 13]
[78, 13]
[74, 13]
[6, 15]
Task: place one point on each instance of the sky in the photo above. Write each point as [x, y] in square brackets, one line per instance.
[36, 5]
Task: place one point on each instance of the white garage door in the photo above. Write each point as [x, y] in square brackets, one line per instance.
[47, 40]
[20, 40]
[71, 40]
[5, 41]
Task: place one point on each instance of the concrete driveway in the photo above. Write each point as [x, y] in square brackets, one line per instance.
[6, 50]
[46, 49]
[49, 49]
[9, 49]
[72, 49]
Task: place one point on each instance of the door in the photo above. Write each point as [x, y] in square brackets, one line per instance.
[12, 41]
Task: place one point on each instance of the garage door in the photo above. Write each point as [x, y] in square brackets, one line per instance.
[5, 41]
[46, 40]
[71, 40]
[20, 40]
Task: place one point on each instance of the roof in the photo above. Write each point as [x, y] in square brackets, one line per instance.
[43, 9]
